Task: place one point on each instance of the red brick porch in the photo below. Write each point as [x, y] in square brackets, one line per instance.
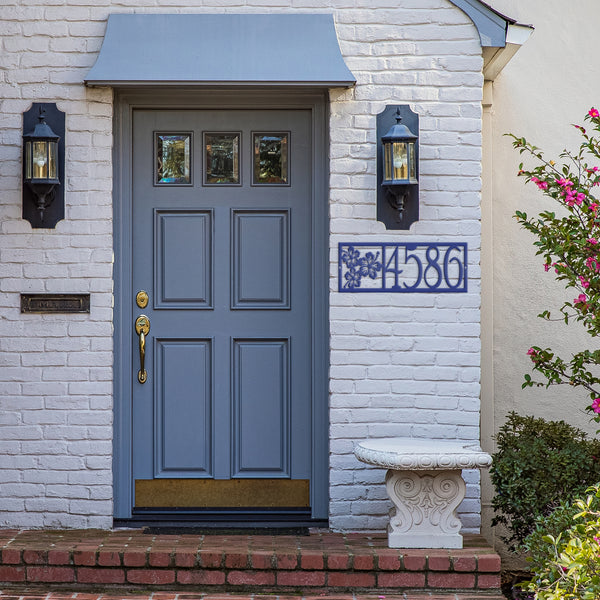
[282, 564]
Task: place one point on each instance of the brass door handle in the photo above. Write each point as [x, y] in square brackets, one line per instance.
[142, 327]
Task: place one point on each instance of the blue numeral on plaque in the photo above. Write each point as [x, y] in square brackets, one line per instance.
[402, 267]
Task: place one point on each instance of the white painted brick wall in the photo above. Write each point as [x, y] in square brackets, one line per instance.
[401, 364]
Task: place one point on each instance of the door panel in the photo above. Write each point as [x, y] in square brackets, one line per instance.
[183, 259]
[261, 269]
[261, 407]
[183, 410]
[228, 354]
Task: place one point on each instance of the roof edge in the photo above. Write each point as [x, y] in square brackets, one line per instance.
[495, 59]
[491, 25]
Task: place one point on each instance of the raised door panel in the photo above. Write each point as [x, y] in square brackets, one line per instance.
[261, 409]
[183, 259]
[261, 259]
[183, 407]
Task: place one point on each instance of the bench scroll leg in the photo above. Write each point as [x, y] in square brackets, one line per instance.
[424, 513]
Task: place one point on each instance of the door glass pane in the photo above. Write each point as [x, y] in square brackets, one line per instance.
[173, 153]
[222, 158]
[271, 158]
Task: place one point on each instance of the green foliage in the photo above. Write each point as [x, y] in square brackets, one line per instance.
[566, 563]
[538, 544]
[538, 465]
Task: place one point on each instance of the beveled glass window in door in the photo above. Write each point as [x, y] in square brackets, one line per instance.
[173, 158]
[271, 159]
[222, 158]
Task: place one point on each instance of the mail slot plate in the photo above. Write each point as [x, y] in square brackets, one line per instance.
[55, 303]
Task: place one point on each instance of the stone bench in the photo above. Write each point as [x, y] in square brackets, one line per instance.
[424, 482]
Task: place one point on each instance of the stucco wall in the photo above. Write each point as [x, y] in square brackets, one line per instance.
[401, 364]
[547, 86]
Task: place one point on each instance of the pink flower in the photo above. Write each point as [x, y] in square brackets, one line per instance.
[596, 408]
[593, 112]
[592, 241]
[569, 195]
[592, 263]
[564, 182]
[581, 300]
[541, 184]
[593, 207]
[585, 284]
[580, 198]
[592, 170]
[546, 268]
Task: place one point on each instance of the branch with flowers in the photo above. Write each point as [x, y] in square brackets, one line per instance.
[569, 242]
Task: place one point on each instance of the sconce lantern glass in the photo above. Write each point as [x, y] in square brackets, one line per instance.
[41, 163]
[399, 156]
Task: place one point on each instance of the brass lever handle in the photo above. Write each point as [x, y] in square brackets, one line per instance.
[142, 327]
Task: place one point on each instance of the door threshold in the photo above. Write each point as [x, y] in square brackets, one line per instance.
[204, 530]
[214, 519]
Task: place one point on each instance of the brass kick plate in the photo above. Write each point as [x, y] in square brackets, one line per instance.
[222, 493]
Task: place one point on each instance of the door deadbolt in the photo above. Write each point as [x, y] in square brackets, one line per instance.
[141, 299]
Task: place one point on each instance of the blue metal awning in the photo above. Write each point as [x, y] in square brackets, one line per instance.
[220, 49]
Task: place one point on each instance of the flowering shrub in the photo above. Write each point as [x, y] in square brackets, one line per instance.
[566, 565]
[568, 241]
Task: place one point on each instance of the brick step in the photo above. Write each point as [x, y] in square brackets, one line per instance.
[320, 561]
[41, 593]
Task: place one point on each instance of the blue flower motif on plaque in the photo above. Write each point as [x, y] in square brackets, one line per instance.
[350, 257]
[359, 266]
[369, 266]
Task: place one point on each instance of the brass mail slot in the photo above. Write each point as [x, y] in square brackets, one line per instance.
[55, 303]
[222, 493]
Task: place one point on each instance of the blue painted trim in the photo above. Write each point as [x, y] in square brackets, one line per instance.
[122, 314]
[490, 24]
[402, 267]
[125, 101]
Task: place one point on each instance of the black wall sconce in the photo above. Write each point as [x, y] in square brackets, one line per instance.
[397, 167]
[43, 165]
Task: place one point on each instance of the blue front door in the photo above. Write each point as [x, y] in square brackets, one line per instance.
[221, 241]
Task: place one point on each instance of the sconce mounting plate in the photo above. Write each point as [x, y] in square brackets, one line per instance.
[55, 212]
[387, 214]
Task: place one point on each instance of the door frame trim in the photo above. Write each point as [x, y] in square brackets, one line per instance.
[125, 102]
